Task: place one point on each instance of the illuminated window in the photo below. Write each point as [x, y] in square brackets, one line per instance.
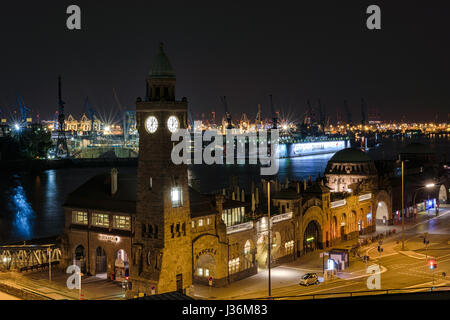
[176, 196]
[100, 219]
[79, 217]
[200, 272]
[193, 224]
[233, 266]
[121, 222]
[206, 272]
[247, 247]
[200, 222]
[208, 221]
[289, 246]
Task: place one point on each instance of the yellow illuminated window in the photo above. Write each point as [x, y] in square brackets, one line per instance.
[122, 222]
[100, 219]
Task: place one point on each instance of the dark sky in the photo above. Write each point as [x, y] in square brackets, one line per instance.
[246, 50]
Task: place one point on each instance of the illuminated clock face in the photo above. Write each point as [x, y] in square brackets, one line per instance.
[151, 124]
[173, 124]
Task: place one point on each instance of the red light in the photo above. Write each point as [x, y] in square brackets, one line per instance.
[432, 263]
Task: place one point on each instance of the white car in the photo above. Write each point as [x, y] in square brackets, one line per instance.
[309, 278]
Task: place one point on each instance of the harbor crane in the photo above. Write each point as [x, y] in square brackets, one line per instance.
[23, 109]
[348, 114]
[227, 114]
[61, 149]
[91, 113]
[274, 114]
[363, 112]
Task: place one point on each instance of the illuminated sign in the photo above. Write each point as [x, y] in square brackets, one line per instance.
[338, 203]
[300, 148]
[110, 238]
[281, 217]
[240, 227]
[310, 239]
[210, 251]
[331, 265]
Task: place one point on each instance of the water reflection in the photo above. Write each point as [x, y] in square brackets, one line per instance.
[23, 213]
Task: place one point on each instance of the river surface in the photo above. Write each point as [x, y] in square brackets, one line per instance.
[31, 204]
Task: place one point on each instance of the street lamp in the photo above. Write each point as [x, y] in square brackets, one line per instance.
[429, 185]
[268, 231]
[403, 214]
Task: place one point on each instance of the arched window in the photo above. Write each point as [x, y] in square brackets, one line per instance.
[247, 247]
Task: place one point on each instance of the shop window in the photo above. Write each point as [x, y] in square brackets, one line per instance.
[100, 220]
[200, 222]
[79, 217]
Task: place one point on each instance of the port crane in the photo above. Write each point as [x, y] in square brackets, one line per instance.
[229, 124]
[129, 118]
[274, 114]
[91, 113]
[23, 109]
[348, 114]
[258, 122]
[363, 112]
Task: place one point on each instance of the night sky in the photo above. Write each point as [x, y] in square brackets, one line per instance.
[246, 50]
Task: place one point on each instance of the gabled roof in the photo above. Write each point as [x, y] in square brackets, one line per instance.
[317, 188]
[96, 194]
[286, 194]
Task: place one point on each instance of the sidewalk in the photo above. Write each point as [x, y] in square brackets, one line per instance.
[92, 288]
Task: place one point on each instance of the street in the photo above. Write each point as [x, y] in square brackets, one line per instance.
[399, 270]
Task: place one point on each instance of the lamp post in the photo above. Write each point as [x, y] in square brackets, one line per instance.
[403, 214]
[268, 232]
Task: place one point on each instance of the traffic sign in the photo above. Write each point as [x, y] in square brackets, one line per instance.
[210, 280]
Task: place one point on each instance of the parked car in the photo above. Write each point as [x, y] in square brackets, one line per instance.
[309, 278]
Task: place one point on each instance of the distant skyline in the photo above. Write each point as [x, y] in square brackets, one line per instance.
[245, 51]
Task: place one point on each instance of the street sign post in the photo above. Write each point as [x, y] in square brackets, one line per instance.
[433, 265]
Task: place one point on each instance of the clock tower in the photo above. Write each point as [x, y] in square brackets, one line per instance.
[162, 253]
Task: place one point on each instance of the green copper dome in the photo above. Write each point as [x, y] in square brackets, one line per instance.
[161, 67]
[350, 155]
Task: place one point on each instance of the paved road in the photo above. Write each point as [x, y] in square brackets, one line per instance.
[401, 270]
[5, 296]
